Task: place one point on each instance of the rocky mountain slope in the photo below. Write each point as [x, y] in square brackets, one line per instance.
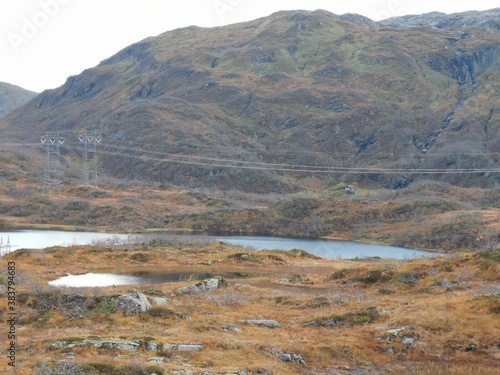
[271, 104]
[13, 97]
[489, 19]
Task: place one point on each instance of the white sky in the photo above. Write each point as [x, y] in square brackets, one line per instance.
[42, 42]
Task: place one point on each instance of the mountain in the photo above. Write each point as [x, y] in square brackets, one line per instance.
[489, 19]
[13, 97]
[273, 104]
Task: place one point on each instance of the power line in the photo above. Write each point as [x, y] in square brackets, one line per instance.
[206, 161]
[248, 165]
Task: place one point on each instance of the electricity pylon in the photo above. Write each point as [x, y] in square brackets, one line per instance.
[90, 161]
[52, 171]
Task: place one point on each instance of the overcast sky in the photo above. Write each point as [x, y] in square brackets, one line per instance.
[45, 41]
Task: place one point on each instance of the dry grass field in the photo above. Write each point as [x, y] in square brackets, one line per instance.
[418, 317]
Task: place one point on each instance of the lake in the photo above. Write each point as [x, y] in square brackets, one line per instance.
[330, 249]
[40, 239]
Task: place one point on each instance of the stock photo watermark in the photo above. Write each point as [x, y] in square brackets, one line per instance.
[222, 7]
[31, 25]
[392, 9]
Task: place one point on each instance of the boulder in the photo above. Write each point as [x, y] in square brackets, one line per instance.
[188, 289]
[189, 347]
[401, 339]
[133, 303]
[183, 372]
[156, 360]
[204, 286]
[231, 329]
[264, 323]
[292, 357]
[151, 346]
[158, 301]
[183, 347]
[114, 344]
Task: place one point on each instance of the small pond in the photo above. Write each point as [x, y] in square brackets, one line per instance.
[110, 279]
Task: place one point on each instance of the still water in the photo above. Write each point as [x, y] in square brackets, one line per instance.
[40, 239]
[329, 249]
[110, 279]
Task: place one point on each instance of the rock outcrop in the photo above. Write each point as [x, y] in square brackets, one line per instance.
[204, 286]
[158, 301]
[292, 357]
[133, 303]
[400, 340]
[264, 323]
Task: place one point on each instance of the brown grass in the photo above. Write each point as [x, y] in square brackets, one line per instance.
[450, 306]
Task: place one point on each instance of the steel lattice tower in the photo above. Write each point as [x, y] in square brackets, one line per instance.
[90, 160]
[52, 171]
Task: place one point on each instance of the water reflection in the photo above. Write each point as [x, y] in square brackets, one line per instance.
[96, 280]
[328, 249]
[41, 239]
[110, 279]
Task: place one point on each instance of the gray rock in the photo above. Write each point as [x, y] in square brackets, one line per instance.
[117, 344]
[231, 329]
[134, 303]
[156, 360]
[395, 331]
[158, 301]
[206, 285]
[212, 284]
[189, 347]
[187, 289]
[285, 357]
[110, 344]
[292, 357]
[406, 336]
[59, 345]
[183, 347]
[69, 355]
[408, 341]
[151, 346]
[183, 372]
[167, 346]
[264, 323]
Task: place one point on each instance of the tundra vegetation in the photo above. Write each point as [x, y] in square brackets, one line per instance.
[273, 312]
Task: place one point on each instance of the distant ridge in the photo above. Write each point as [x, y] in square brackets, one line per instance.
[13, 97]
[489, 19]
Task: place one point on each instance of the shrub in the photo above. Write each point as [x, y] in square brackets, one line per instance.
[366, 316]
[376, 276]
[140, 257]
[104, 368]
[341, 274]
[493, 255]
[107, 305]
[66, 368]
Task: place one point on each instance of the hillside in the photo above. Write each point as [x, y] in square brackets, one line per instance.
[268, 105]
[13, 97]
